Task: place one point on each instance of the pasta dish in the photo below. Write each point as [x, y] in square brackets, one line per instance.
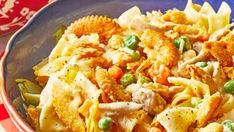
[140, 72]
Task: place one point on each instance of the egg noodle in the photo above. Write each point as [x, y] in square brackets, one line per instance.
[154, 72]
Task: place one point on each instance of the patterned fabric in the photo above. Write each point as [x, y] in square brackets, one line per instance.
[13, 15]
[6, 125]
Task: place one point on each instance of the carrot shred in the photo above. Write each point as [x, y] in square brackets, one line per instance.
[84, 109]
[115, 72]
[159, 73]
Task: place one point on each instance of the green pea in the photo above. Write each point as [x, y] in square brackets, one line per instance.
[127, 79]
[182, 41]
[135, 55]
[228, 126]
[185, 38]
[178, 42]
[195, 102]
[105, 123]
[144, 79]
[229, 87]
[201, 64]
[131, 42]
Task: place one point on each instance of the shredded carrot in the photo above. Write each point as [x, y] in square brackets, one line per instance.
[204, 38]
[115, 72]
[84, 109]
[159, 73]
[92, 120]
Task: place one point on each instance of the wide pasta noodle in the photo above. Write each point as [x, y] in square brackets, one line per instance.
[48, 118]
[207, 17]
[222, 14]
[168, 117]
[198, 88]
[180, 98]
[226, 105]
[51, 67]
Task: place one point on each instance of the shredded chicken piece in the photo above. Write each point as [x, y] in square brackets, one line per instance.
[160, 48]
[197, 46]
[152, 102]
[208, 107]
[118, 57]
[200, 75]
[104, 26]
[163, 90]
[110, 87]
[122, 107]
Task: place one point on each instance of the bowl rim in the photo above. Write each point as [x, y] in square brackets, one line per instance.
[18, 121]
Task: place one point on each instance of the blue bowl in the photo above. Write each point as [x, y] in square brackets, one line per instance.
[35, 40]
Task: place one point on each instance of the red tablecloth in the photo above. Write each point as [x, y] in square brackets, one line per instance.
[6, 125]
[13, 15]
